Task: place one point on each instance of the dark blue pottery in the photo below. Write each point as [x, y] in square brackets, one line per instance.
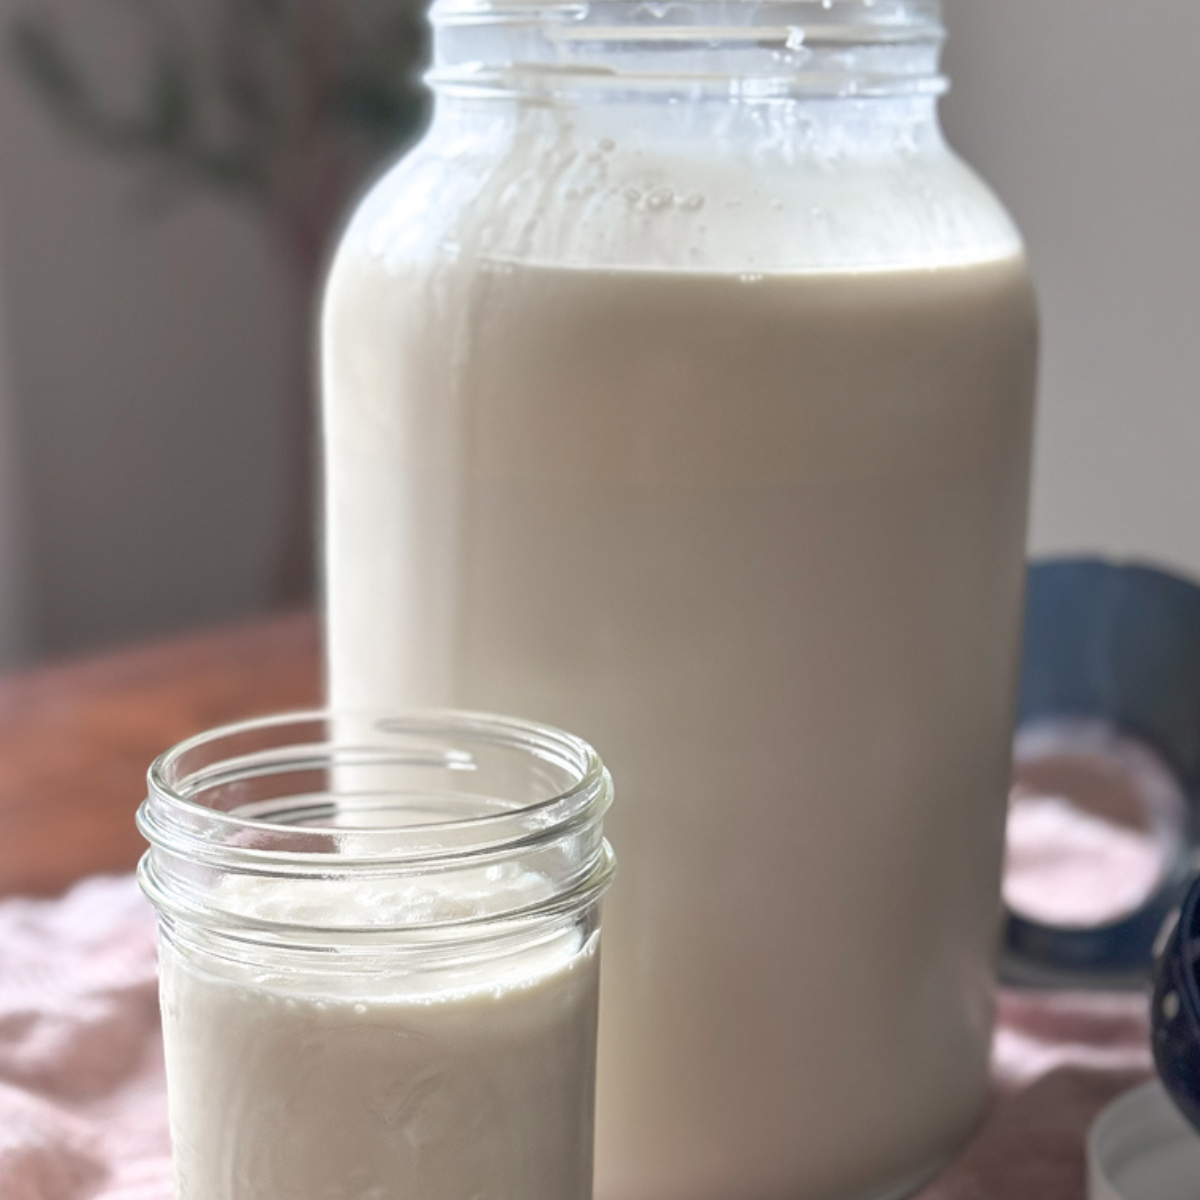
[1119, 644]
[1175, 1017]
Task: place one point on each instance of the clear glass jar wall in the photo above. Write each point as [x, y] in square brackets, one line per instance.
[678, 389]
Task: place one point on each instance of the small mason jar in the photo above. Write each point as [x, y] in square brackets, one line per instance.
[379, 956]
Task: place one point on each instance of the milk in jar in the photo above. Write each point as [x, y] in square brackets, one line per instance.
[677, 388]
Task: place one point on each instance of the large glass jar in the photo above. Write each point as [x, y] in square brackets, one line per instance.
[677, 389]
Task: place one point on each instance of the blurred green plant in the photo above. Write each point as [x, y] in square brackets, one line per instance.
[284, 105]
[259, 99]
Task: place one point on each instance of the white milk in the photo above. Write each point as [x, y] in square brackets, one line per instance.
[286, 1085]
[704, 430]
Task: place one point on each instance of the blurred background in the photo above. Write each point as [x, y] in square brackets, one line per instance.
[167, 193]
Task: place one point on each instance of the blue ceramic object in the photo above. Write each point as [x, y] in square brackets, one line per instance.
[1119, 644]
[1175, 1016]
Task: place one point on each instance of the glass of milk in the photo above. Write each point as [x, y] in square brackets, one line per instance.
[379, 956]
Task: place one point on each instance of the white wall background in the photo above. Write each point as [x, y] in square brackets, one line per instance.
[16, 625]
[142, 360]
[143, 369]
[1085, 115]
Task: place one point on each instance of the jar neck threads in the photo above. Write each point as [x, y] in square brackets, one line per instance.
[309, 827]
[772, 51]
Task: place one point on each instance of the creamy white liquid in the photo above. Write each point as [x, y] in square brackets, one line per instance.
[759, 539]
[379, 1085]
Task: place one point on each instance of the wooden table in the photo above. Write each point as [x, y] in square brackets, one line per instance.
[76, 738]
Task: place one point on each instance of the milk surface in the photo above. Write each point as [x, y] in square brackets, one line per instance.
[380, 1085]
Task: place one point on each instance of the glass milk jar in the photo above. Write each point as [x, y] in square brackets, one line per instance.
[678, 389]
[378, 951]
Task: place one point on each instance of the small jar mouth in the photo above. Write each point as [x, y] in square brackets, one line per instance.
[785, 47]
[346, 808]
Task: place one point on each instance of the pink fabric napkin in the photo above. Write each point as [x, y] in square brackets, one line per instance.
[83, 1110]
[82, 1104]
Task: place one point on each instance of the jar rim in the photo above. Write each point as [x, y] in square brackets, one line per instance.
[923, 15]
[166, 785]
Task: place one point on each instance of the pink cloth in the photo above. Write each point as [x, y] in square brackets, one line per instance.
[83, 1111]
